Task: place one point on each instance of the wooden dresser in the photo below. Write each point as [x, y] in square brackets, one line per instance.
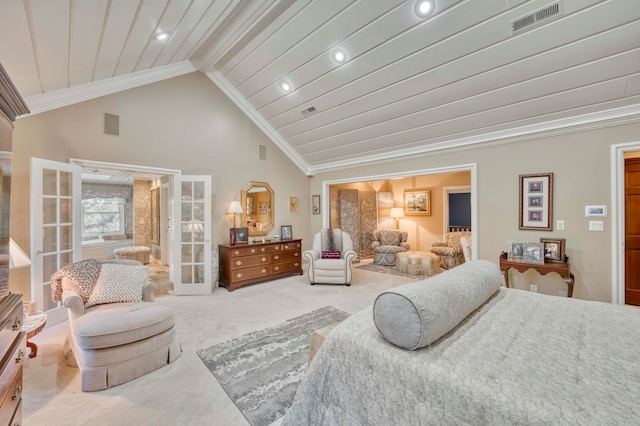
[253, 263]
[13, 350]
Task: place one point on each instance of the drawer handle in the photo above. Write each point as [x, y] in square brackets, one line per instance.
[236, 252]
[295, 264]
[17, 325]
[276, 248]
[276, 257]
[276, 268]
[286, 247]
[238, 275]
[17, 391]
[253, 251]
[20, 357]
[296, 254]
[264, 271]
[239, 262]
[264, 259]
[263, 249]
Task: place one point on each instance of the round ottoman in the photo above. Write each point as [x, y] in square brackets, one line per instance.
[139, 253]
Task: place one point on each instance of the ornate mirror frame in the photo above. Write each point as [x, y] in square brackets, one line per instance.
[257, 200]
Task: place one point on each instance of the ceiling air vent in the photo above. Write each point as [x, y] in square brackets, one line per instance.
[307, 111]
[530, 20]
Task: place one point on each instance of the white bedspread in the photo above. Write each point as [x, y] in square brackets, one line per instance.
[521, 359]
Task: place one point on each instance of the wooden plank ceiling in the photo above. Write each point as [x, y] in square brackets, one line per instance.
[411, 85]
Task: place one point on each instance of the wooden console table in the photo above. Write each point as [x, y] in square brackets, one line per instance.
[241, 265]
[562, 269]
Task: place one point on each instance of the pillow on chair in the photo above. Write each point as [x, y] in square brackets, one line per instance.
[118, 283]
[331, 254]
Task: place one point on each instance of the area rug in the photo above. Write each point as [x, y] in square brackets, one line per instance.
[391, 270]
[262, 370]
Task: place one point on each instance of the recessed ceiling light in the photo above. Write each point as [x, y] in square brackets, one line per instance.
[424, 8]
[284, 85]
[161, 36]
[339, 56]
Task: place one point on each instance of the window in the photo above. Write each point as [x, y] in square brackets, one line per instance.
[103, 216]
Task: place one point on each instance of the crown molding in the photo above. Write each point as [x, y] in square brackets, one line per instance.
[73, 95]
[258, 120]
[11, 103]
[579, 123]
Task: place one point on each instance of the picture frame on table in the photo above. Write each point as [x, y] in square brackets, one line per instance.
[286, 232]
[417, 202]
[554, 249]
[238, 236]
[533, 253]
[536, 202]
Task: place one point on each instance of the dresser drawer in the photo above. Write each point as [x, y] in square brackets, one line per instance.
[250, 273]
[285, 255]
[248, 261]
[10, 328]
[252, 250]
[292, 265]
[291, 246]
[13, 363]
[12, 399]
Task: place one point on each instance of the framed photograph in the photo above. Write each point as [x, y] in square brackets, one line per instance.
[553, 249]
[262, 207]
[315, 204]
[286, 232]
[238, 236]
[533, 253]
[598, 211]
[417, 202]
[536, 199]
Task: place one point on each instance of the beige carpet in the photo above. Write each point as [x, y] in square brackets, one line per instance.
[183, 393]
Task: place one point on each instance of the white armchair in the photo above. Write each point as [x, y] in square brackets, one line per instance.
[115, 334]
[335, 268]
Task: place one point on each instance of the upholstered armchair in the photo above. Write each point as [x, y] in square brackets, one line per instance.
[330, 258]
[450, 252]
[386, 244]
[465, 244]
[115, 334]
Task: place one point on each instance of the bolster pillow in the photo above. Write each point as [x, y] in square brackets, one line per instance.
[415, 315]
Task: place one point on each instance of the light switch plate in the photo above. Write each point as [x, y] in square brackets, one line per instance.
[596, 225]
[560, 225]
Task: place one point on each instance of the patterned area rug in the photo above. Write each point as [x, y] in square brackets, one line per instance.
[262, 370]
[391, 270]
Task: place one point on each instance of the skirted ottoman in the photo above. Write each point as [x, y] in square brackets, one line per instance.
[139, 253]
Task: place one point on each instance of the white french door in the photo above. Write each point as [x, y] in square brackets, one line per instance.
[191, 273]
[55, 238]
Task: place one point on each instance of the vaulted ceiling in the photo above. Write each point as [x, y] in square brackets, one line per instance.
[472, 72]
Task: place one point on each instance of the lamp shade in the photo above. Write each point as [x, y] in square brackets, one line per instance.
[17, 258]
[396, 212]
[234, 207]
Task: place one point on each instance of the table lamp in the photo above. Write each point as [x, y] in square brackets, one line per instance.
[235, 208]
[396, 213]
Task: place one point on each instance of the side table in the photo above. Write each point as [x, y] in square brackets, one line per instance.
[34, 324]
[562, 269]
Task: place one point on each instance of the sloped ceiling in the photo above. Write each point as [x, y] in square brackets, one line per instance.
[411, 85]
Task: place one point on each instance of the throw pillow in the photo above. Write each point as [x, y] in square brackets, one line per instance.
[118, 283]
[417, 314]
[331, 255]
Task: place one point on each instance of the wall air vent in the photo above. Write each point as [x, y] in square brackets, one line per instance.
[307, 111]
[529, 21]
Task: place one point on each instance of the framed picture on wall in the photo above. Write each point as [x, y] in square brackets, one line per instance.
[417, 202]
[536, 199]
[315, 204]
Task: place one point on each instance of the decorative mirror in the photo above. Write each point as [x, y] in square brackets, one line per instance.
[257, 202]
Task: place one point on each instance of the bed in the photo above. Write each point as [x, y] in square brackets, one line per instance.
[520, 358]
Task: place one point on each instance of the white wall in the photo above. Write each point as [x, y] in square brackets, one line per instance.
[184, 123]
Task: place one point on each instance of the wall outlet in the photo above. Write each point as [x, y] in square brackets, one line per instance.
[596, 225]
[560, 225]
[563, 293]
[533, 288]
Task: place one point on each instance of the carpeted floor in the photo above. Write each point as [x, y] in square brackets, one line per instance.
[391, 270]
[262, 370]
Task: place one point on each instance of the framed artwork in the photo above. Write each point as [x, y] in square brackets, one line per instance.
[598, 211]
[553, 249]
[315, 204]
[238, 236]
[536, 199]
[417, 202]
[533, 253]
[286, 232]
[293, 204]
[262, 207]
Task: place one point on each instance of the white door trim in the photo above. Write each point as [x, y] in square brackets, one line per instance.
[617, 219]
